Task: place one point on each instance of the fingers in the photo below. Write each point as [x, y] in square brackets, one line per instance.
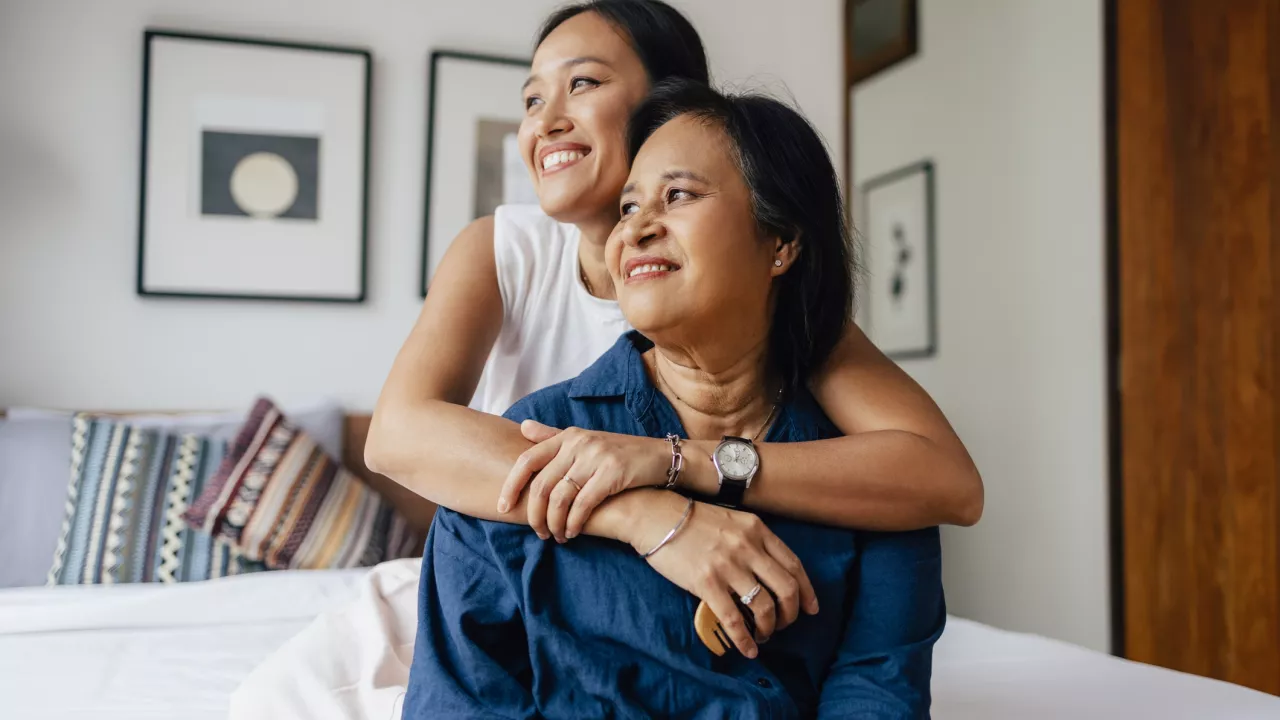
[536, 432]
[540, 493]
[594, 491]
[778, 550]
[529, 462]
[785, 589]
[726, 610]
[561, 500]
[761, 606]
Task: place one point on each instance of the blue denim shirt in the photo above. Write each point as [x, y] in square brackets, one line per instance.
[511, 626]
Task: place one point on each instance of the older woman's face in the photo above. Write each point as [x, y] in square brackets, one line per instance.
[584, 83]
[687, 257]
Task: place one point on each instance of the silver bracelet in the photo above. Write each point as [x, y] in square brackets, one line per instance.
[687, 510]
[677, 462]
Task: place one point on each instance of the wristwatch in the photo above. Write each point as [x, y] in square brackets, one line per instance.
[736, 462]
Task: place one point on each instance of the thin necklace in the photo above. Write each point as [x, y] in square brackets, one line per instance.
[582, 273]
[754, 438]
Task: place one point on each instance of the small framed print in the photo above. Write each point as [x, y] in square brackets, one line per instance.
[254, 177]
[473, 158]
[900, 302]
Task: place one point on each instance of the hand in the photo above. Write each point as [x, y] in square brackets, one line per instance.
[718, 555]
[599, 464]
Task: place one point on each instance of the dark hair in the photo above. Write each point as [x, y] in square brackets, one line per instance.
[665, 40]
[795, 195]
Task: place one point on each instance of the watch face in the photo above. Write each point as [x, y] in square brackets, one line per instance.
[737, 460]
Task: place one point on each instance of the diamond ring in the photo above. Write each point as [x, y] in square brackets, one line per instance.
[746, 599]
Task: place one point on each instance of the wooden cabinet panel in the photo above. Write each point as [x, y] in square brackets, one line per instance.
[1197, 172]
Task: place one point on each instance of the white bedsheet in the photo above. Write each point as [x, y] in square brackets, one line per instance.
[149, 651]
[337, 645]
[354, 662]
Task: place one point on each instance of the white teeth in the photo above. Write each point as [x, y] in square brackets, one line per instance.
[557, 159]
[643, 269]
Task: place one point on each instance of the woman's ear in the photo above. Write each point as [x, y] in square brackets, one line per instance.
[785, 252]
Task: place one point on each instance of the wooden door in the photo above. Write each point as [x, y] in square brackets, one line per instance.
[1195, 137]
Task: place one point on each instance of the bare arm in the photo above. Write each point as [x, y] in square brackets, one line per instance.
[423, 435]
[900, 465]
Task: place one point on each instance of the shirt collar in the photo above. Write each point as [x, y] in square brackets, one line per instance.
[621, 372]
[618, 372]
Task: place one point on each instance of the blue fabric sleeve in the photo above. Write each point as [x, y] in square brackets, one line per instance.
[472, 657]
[884, 663]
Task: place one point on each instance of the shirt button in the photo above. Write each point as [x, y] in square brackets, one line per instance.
[764, 683]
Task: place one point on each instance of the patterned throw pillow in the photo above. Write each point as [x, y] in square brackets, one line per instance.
[123, 521]
[281, 500]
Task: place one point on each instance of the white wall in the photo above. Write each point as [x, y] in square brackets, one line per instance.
[1006, 98]
[72, 332]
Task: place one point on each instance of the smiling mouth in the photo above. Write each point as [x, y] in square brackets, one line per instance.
[651, 270]
[556, 161]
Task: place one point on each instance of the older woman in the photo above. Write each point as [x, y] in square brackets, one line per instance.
[732, 262]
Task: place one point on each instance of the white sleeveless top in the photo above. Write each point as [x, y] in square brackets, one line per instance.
[552, 328]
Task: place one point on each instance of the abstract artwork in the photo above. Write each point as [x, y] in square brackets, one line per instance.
[899, 297]
[254, 178]
[473, 155]
[258, 175]
[501, 177]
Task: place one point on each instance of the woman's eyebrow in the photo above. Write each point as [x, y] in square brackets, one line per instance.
[684, 175]
[567, 64]
[668, 176]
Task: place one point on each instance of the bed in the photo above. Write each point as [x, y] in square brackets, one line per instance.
[264, 643]
[182, 651]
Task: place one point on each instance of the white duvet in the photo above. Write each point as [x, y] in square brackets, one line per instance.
[337, 645]
[354, 663]
[137, 652]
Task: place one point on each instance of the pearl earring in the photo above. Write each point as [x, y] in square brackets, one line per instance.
[777, 263]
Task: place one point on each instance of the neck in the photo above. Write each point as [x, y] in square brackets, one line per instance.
[591, 256]
[718, 394]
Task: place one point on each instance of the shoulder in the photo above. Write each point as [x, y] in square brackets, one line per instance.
[475, 241]
[529, 249]
[550, 406]
[803, 420]
[594, 400]
[526, 227]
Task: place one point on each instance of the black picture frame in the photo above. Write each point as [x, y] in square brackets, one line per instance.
[149, 36]
[433, 70]
[904, 45]
[929, 348]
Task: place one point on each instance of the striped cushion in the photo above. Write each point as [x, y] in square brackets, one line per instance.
[123, 520]
[281, 500]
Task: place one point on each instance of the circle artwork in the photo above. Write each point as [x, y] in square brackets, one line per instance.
[264, 185]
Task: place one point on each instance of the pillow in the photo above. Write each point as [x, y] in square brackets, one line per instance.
[281, 500]
[123, 517]
[35, 454]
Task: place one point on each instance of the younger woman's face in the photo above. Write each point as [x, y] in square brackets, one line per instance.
[584, 83]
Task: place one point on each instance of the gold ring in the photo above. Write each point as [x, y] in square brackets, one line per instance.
[573, 482]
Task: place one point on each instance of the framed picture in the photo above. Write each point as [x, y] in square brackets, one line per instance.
[255, 165]
[878, 34]
[900, 298]
[473, 160]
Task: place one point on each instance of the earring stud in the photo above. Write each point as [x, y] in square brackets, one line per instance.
[777, 263]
